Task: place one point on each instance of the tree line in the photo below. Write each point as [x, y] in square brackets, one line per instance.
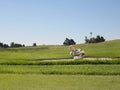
[13, 45]
[69, 42]
[3, 45]
[96, 39]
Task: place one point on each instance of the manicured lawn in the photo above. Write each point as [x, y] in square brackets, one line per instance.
[105, 49]
[32, 68]
[60, 62]
[62, 69]
[30, 53]
[58, 82]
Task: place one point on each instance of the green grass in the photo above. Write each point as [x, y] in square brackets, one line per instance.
[105, 49]
[59, 62]
[62, 69]
[58, 82]
[33, 68]
[29, 53]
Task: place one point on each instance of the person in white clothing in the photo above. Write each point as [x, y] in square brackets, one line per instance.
[76, 53]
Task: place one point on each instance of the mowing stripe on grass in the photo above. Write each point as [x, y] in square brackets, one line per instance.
[58, 82]
[75, 62]
[62, 69]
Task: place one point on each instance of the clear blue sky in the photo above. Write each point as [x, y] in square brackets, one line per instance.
[51, 21]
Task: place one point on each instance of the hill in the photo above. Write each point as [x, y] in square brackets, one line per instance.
[104, 49]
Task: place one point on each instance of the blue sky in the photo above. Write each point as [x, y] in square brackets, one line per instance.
[51, 21]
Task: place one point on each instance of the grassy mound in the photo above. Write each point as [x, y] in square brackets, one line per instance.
[105, 49]
[38, 68]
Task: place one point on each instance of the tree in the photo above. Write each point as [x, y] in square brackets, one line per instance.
[94, 40]
[5, 46]
[1, 44]
[98, 38]
[15, 45]
[86, 39]
[72, 42]
[23, 45]
[12, 44]
[34, 44]
[102, 39]
[66, 42]
[90, 34]
[69, 42]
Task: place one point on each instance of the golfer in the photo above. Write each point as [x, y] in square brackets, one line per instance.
[76, 53]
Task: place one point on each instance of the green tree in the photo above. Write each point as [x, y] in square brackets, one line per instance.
[34, 44]
[1, 44]
[5, 45]
[94, 40]
[69, 42]
[102, 39]
[12, 44]
[15, 45]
